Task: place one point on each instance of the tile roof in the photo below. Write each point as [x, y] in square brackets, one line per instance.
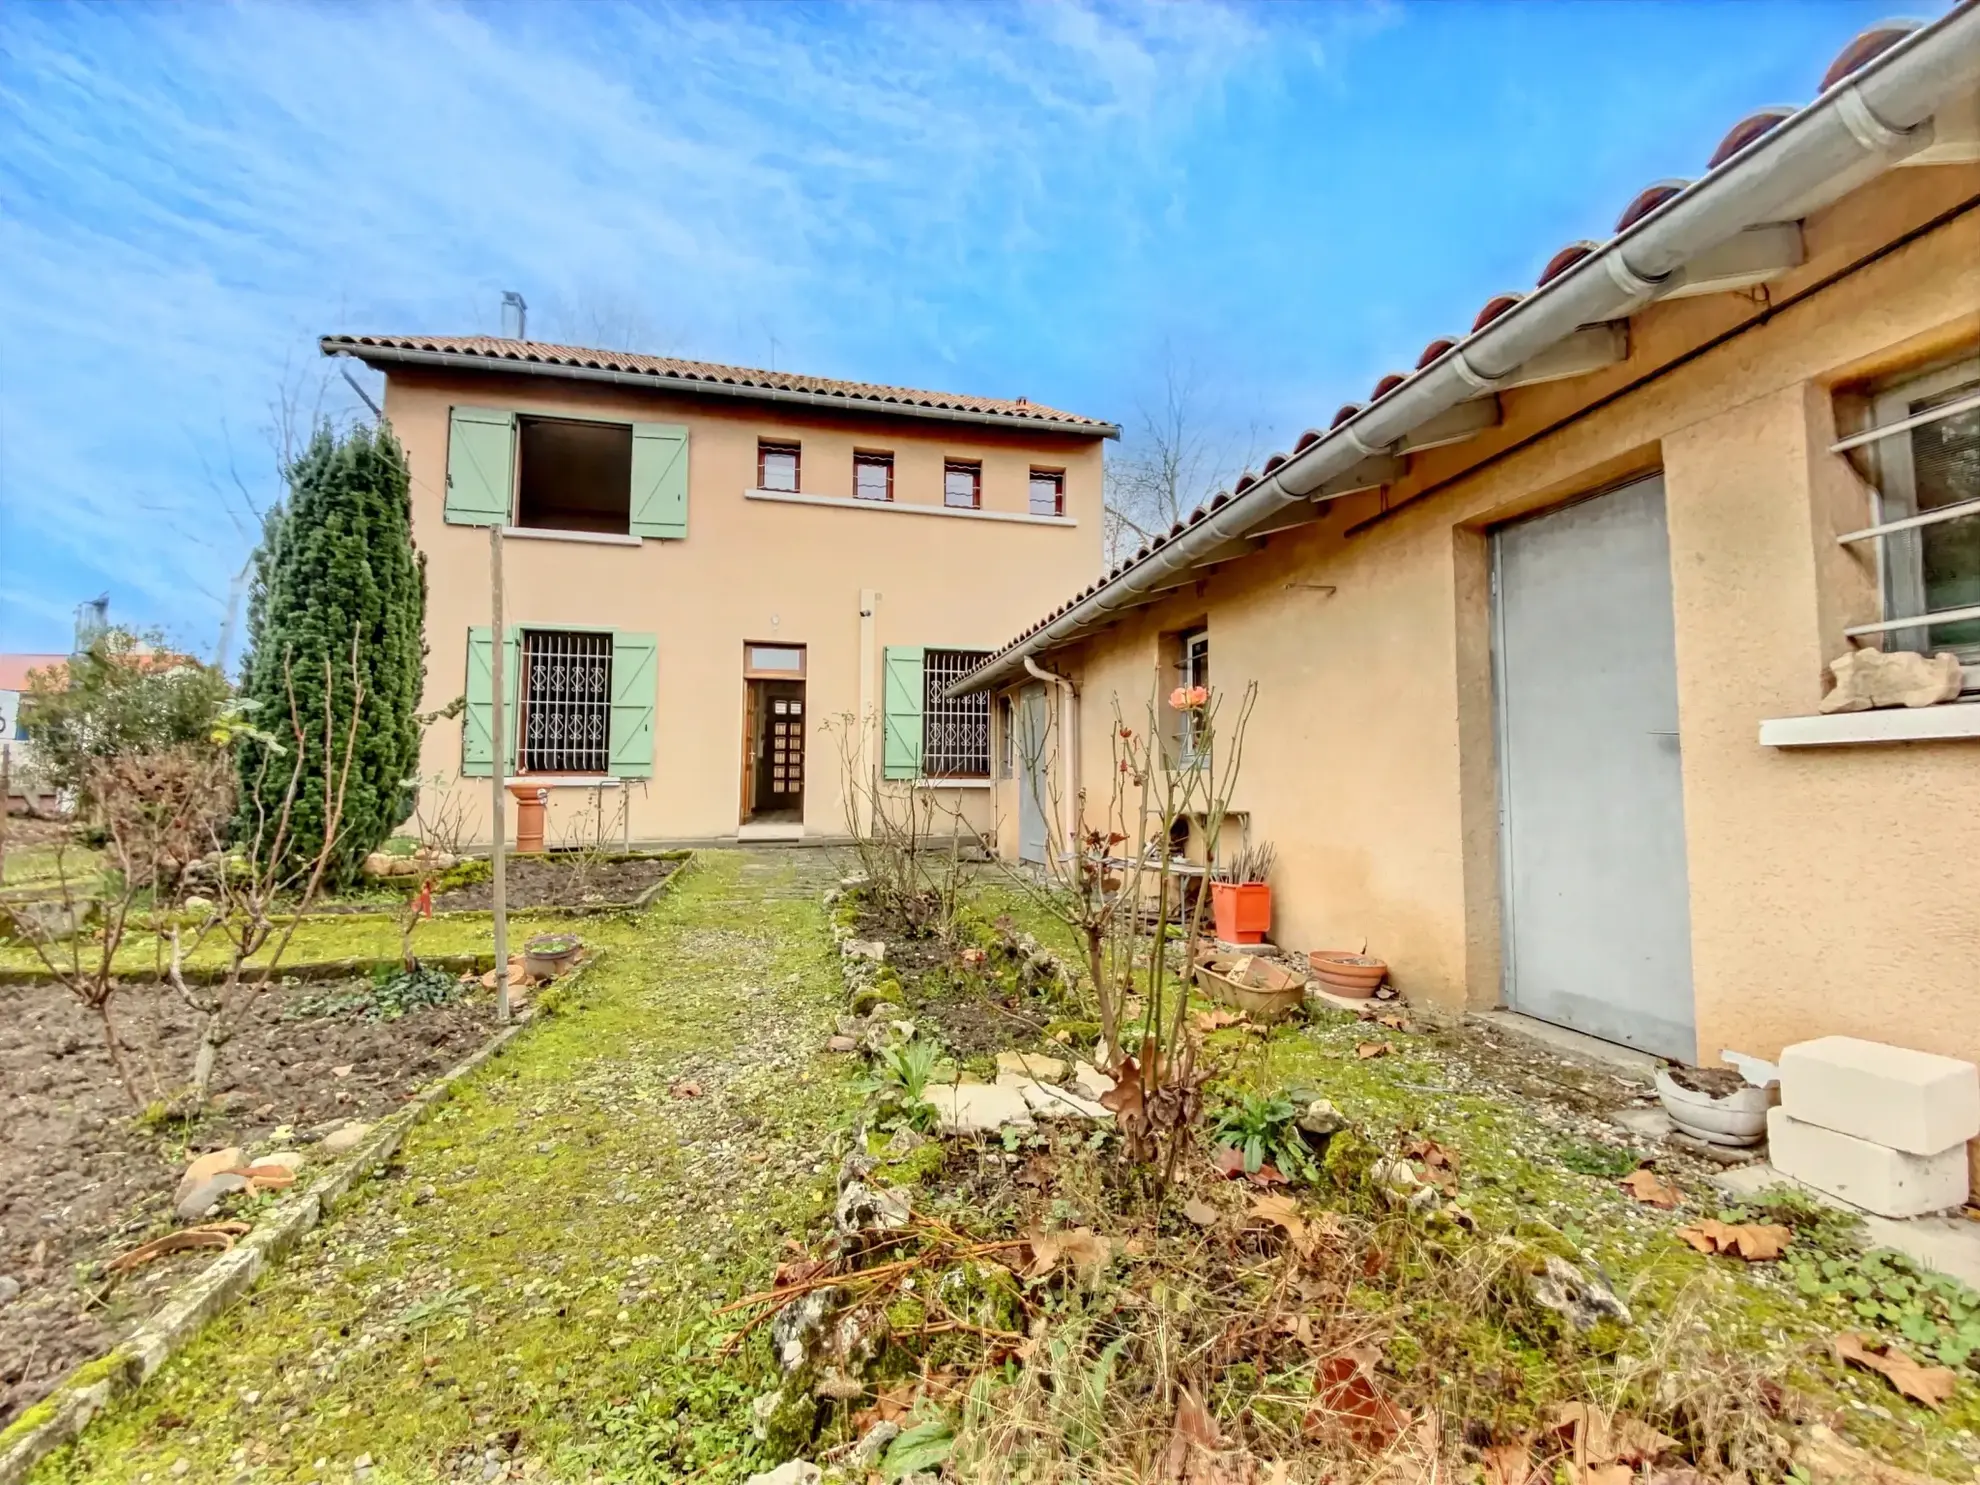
[14, 669]
[708, 375]
[1862, 50]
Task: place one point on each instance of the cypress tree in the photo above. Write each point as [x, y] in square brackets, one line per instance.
[337, 562]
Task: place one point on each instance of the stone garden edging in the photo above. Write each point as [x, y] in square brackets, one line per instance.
[60, 1417]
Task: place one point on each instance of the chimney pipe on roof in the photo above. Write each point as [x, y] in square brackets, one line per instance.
[512, 304]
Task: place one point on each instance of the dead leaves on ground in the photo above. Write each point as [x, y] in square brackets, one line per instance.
[1366, 1050]
[1349, 1403]
[1080, 1248]
[685, 1088]
[1280, 1212]
[219, 1235]
[1651, 1189]
[1217, 1020]
[1756, 1242]
[1598, 1446]
[1930, 1385]
[1229, 1160]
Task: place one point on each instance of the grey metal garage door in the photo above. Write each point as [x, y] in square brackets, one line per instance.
[1597, 914]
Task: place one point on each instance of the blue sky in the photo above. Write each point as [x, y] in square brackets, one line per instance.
[1048, 201]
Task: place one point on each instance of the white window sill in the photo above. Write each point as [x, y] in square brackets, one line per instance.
[846, 502]
[1948, 720]
[952, 784]
[596, 538]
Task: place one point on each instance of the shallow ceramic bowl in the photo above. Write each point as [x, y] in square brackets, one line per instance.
[1737, 1118]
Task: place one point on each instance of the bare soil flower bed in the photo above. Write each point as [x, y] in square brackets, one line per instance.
[561, 881]
[82, 1179]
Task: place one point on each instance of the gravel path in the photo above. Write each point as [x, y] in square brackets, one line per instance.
[528, 1292]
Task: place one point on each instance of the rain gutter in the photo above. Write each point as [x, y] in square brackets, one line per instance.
[1879, 113]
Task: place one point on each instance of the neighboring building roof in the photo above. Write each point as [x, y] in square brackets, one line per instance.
[1774, 165]
[529, 357]
[14, 669]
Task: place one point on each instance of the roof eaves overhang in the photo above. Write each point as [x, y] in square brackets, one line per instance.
[1873, 117]
[379, 357]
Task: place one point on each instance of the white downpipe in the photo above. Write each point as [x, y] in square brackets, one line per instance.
[1069, 746]
[1877, 113]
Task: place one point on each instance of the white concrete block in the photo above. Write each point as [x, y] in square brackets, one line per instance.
[1877, 1178]
[1911, 1101]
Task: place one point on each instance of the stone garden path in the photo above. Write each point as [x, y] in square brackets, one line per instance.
[528, 1290]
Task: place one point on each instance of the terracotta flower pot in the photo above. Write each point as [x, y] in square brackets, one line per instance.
[1354, 975]
[1243, 911]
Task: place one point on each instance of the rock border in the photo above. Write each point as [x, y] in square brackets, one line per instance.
[61, 1416]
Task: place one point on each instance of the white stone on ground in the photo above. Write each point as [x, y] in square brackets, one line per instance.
[978, 1108]
[1891, 1183]
[1089, 1082]
[1049, 1101]
[344, 1137]
[1909, 1100]
[1031, 1065]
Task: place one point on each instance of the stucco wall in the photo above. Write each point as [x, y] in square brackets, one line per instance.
[749, 571]
[1832, 890]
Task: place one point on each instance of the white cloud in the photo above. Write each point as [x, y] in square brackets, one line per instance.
[194, 193]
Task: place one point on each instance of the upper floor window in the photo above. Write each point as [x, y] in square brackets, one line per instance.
[776, 465]
[873, 476]
[574, 475]
[962, 484]
[1926, 473]
[1048, 492]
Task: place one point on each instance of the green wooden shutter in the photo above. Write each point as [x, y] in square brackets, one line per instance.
[477, 761]
[659, 480]
[481, 461]
[634, 676]
[901, 712]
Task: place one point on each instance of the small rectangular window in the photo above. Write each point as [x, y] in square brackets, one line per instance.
[955, 735]
[1048, 492]
[962, 484]
[566, 691]
[1192, 671]
[783, 659]
[776, 466]
[1928, 475]
[574, 475]
[873, 476]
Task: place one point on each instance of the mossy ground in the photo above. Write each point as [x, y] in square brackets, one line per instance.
[1517, 1157]
[318, 940]
[537, 1272]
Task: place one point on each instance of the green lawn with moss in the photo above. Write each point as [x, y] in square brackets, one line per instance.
[323, 939]
[536, 1274]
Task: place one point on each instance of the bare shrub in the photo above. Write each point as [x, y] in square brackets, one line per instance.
[914, 847]
[266, 877]
[159, 809]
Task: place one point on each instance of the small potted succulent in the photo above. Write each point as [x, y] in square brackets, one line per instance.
[1240, 898]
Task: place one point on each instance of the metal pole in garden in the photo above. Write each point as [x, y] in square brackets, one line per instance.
[499, 813]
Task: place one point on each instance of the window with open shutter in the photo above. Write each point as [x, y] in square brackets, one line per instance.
[660, 480]
[635, 677]
[481, 462]
[477, 721]
[901, 712]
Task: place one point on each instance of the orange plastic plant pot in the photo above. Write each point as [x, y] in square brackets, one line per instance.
[1243, 911]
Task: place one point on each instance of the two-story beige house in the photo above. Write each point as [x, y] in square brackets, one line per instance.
[723, 587]
[1541, 624]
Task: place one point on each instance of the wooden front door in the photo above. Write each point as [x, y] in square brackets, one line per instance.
[780, 723]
